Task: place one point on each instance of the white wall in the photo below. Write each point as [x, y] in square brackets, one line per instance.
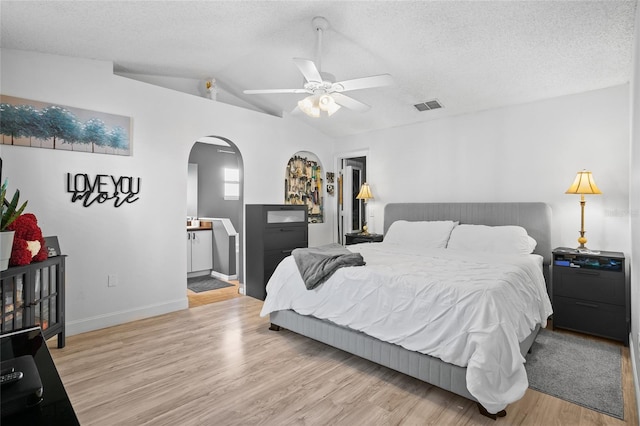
[191, 86]
[142, 243]
[634, 205]
[528, 152]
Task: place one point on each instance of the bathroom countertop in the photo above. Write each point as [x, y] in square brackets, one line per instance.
[198, 228]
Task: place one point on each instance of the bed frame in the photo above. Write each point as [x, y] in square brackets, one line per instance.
[534, 217]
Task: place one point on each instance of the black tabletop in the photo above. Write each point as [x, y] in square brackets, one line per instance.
[54, 408]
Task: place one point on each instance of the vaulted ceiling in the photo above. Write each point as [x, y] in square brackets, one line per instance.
[469, 55]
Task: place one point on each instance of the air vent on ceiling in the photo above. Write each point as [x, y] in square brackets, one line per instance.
[428, 105]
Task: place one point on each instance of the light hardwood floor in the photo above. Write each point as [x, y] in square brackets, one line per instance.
[213, 296]
[219, 364]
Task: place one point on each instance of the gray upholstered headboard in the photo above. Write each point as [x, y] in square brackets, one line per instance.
[534, 217]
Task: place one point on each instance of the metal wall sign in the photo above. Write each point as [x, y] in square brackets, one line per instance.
[103, 188]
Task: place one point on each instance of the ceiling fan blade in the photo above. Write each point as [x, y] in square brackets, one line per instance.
[260, 91]
[364, 83]
[308, 69]
[350, 103]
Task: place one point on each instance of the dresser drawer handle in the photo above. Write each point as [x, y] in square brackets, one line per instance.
[581, 272]
[286, 230]
[286, 251]
[588, 305]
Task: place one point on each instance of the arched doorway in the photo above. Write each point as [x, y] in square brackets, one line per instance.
[217, 201]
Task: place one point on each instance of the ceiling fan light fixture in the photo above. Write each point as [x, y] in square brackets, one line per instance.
[332, 109]
[327, 104]
[310, 106]
[314, 105]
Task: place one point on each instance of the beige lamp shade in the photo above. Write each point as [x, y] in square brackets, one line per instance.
[365, 193]
[583, 184]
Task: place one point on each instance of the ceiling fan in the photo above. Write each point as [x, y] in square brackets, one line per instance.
[326, 94]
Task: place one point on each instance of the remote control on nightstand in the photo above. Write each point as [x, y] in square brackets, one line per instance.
[10, 377]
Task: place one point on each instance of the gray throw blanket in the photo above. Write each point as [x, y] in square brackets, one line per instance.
[317, 264]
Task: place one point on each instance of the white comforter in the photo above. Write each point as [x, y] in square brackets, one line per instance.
[468, 309]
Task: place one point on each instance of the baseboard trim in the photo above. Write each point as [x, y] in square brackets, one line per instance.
[222, 276]
[634, 368]
[199, 274]
[121, 317]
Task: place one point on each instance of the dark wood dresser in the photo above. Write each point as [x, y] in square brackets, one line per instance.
[273, 231]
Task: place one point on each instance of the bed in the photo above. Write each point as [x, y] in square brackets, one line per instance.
[454, 353]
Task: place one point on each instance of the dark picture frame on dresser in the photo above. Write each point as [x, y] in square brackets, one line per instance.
[273, 231]
[591, 293]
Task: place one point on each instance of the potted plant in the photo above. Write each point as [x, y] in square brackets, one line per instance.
[10, 212]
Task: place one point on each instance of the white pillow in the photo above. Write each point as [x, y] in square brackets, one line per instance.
[425, 234]
[491, 239]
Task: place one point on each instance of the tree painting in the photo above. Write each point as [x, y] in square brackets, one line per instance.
[31, 123]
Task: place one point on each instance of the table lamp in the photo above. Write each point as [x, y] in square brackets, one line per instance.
[365, 194]
[583, 184]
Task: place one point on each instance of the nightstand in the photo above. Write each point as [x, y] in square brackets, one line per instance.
[357, 238]
[590, 293]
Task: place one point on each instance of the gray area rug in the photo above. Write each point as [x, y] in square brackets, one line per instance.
[578, 370]
[205, 283]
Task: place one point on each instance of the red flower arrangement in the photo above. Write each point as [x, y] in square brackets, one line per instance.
[28, 242]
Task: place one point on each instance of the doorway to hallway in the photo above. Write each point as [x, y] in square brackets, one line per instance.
[352, 173]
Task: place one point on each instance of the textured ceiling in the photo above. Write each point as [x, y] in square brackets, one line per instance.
[470, 55]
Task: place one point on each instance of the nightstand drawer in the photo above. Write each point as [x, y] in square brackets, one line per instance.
[601, 319]
[588, 284]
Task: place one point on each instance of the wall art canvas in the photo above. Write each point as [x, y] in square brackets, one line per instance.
[25, 122]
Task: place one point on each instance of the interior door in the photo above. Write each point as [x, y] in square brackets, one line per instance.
[349, 207]
[347, 201]
[356, 205]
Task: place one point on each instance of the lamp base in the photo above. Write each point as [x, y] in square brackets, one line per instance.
[582, 240]
[582, 248]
